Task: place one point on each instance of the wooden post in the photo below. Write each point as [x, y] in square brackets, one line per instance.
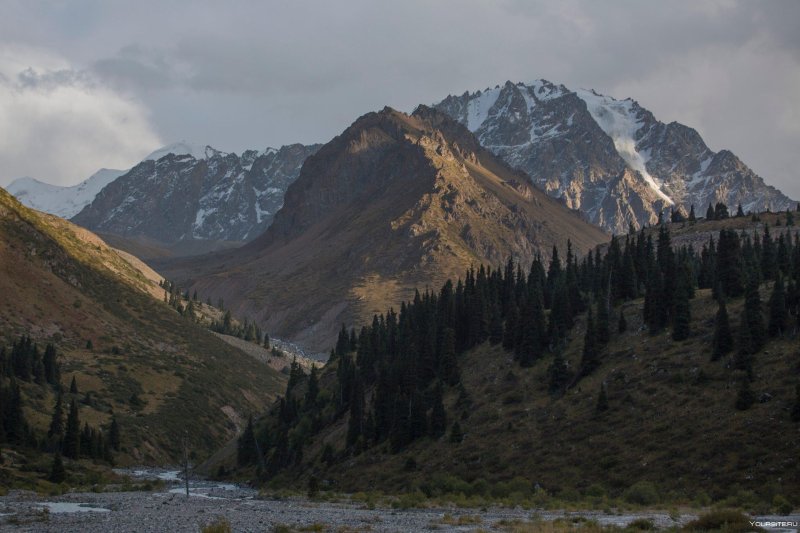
[186, 462]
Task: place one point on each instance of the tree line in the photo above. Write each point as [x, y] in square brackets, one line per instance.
[391, 374]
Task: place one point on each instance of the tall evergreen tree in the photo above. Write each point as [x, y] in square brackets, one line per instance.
[438, 419]
[73, 386]
[602, 399]
[795, 414]
[58, 474]
[113, 434]
[778, 315]
[591, 351]
[71, 445]
[246, 449]
[56, 431]
[723, 339]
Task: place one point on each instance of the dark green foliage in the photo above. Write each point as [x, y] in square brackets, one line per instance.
[778, 313]
[723, 339]
[720, 211]
[58, 474]
[602, 399]
[456, 435]
[71, 445]
[313, 486]
[795, 413]
[558, 374]
[246, 447]
[752, 319]
[56, 431]
[710, 213]
[591, 351]
[114, 434]
[438, 419]
[73, 387]
[692, 217]
[746, 397]
[622, 324]
[681, 316]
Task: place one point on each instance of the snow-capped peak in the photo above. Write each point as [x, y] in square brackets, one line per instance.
[198, 151]
[65, 202]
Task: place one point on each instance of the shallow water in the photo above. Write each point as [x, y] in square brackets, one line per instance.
[69, 507]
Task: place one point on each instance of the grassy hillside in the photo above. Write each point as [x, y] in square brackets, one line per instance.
[163, 376]
[671, 431]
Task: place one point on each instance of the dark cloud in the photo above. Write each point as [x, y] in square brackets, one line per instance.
[251, 74]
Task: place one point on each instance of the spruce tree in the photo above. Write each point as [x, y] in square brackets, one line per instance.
[58, 473]
[746, 397]
[692, 217]
[456, 435]
[73, 386]
[723, 339]
[246, 447]
[622, 324]
[113, 434]
[795, 414]
[710, 213]
[602, 399]
[778, 315]
[558, 374]
[591, 352]
[753, 317]
[71, 445]
[681, 316]
[438, 419]
[56, 431]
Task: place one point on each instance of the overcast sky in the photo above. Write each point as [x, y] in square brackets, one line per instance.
[101, 83]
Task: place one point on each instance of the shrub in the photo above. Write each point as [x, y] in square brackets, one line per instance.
[782, 505]
[641, 524]
[728, 521]
[642, 493]
[219, 526]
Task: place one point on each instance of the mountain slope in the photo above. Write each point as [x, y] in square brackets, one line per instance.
[393, 203]
[612, 159]
[159, 373]
[606, 411]
[195, 199]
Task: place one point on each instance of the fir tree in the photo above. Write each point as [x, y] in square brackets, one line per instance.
[753, 317]
[56, 431]
[438, 419]
[622, 324]
[113, 434]
[778, 315]
[745, 398]
[723, 339]
[58, 473]
[692, 217]
[682, 318]
[246, 449]
[558, 374]
[795, 414]
[591, 352]
[710, 213]
[602, 399]
[73, 386]
[71, 445]
[739, 211]
[456, 435]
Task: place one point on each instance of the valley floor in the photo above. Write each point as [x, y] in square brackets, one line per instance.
[170, 510]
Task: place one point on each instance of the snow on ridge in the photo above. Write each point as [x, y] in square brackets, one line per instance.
[478, 107]
[65, 202]
[617, 118]
[198, 151]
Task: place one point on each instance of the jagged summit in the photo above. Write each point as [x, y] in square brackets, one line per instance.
[610, 158]
[394, 203]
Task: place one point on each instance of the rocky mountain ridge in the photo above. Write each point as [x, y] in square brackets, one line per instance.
[612, 159]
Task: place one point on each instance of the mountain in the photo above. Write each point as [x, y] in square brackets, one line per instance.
[65, 202]
[129, 352]
[612, 159]
[394, 203]
[190, 198]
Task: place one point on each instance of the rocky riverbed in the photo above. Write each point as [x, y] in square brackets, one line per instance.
[170, 510]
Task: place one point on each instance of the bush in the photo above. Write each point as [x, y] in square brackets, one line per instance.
[782, 505]
[728, 521]
[641, 524]
[641, 493]
[219, 526]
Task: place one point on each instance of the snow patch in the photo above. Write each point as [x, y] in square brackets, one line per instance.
[198, 151]
[65, 202]
[479, 106]
[618, 119]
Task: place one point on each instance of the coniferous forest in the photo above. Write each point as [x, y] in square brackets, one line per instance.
[25, 366]
[391, 374]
